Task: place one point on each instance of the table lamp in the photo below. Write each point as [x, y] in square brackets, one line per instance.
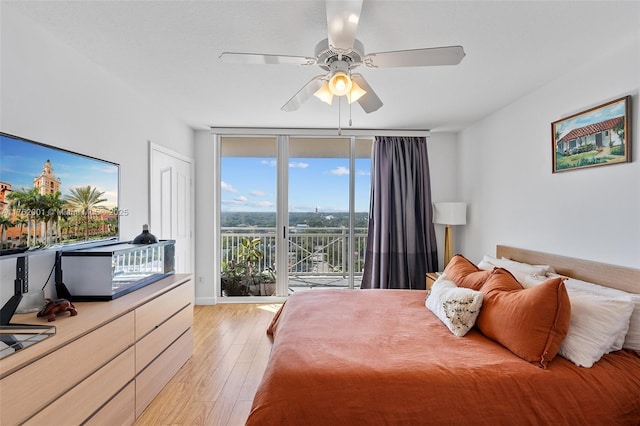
[451, 213]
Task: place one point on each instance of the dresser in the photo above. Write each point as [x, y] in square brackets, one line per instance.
[105, 365]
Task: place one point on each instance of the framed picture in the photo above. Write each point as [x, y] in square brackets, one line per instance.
[596, 137]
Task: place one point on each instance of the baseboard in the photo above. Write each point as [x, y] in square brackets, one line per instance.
[206, 300]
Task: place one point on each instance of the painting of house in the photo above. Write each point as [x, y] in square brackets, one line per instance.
[595, 137]
[598, 134]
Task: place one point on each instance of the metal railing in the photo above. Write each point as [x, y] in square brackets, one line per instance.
[311, 252]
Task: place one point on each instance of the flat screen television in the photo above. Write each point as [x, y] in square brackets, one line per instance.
[52, 198]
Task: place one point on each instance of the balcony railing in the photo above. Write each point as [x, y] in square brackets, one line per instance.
[319, 252]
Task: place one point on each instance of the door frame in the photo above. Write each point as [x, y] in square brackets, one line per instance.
[169, 152]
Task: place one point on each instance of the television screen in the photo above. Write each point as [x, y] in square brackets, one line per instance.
[50, 197]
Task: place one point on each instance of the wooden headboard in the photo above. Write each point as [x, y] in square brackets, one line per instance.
[620, 277]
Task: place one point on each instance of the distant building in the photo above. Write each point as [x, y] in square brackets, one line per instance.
[47, 182]
[5, 189]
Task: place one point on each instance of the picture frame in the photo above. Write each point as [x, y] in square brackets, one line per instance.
[598, 136]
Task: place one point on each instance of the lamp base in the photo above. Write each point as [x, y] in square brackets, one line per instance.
[448, 244]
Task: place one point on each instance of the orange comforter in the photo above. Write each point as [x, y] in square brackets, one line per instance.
[379, 357]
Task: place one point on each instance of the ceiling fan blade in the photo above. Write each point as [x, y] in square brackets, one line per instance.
[449, 55]
[305, 93]
[369, 101]
[258, 58]
[342, 23]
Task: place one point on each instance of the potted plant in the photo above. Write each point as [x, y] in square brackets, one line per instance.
[231, 279]
[241, 276]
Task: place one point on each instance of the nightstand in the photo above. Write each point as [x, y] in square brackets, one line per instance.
[431, 278]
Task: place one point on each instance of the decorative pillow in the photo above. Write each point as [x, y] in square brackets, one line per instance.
[604, 317]
[464, 273]
[456, 307]
[596, 323]
[531, 323]
[632, 338]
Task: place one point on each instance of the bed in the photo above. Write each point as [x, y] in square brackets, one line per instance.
[380, 357]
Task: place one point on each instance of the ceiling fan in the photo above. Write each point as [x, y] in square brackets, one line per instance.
[340, 53]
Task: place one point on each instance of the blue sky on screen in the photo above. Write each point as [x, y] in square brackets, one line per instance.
[249, 184]
[22, 161]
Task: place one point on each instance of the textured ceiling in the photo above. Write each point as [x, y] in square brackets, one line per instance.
[168, 51]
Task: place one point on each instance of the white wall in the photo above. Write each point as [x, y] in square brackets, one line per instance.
[505, 164]
[53, 95]
[443, 172]
[442, 148]
[205, 208]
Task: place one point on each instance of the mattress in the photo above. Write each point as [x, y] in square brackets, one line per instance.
[379, 357]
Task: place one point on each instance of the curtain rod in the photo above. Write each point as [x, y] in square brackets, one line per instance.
[268, 131]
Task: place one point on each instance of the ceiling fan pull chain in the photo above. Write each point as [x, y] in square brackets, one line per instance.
[350, 122]
[339, 113]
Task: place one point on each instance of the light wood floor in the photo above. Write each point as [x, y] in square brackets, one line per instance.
[216, 386]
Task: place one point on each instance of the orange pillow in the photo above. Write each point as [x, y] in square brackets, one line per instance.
[531, 323]
[464, 273]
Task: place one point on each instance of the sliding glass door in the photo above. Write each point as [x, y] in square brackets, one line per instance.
[248, 204]
[293, 213]
[326, 235]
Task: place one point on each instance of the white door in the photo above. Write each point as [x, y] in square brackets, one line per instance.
[170, 207]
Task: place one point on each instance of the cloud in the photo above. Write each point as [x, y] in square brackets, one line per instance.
[226, 187]
[243, 201]
[299, 165]
[339, 171]
[257, 193]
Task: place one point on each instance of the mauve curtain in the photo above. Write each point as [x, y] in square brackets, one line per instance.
[401, 244]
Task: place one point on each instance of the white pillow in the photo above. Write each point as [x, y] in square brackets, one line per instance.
[598, 318]
[528, 281]
[456, 307]
[596, 323]
[514, 267]
[632, 338]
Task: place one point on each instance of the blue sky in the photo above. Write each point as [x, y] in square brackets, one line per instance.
[614, 110]
[249, 184]
[21, 162]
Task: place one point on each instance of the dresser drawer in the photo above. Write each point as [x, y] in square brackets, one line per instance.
[155, 342]
[151, 381]
[153, 313]
[83, 400]
[121, 410]
[48, 378]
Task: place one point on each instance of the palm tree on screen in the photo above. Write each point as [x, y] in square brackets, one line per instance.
[83, 199]
[5, 223]
[52, 204]
[28, 204]
[21, 222]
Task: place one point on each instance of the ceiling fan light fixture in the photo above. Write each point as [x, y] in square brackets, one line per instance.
[355, 93]
[340, 83]
[324, 94]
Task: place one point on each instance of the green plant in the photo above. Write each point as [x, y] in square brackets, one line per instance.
[617, 150]
[231, 279]
[240, 274]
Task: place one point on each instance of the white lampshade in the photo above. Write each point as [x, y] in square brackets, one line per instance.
[340, 83]
[324, 94]
[450, 213]
[355, 93]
